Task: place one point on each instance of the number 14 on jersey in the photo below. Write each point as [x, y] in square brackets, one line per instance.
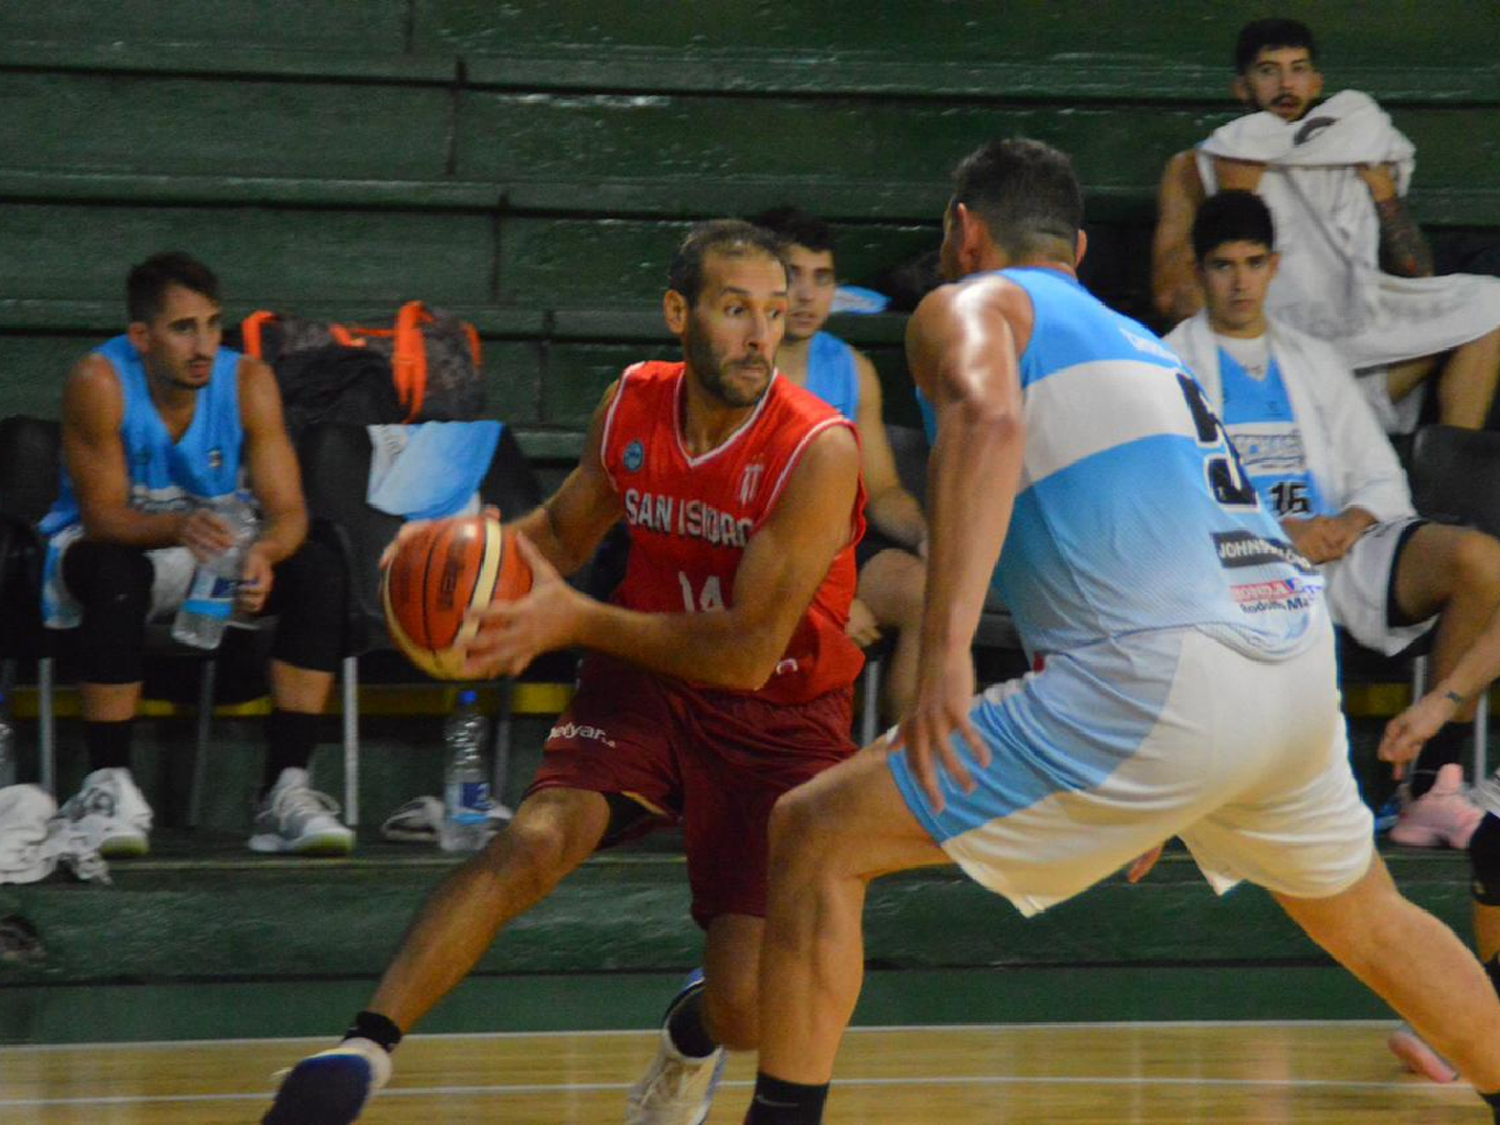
[711, 596]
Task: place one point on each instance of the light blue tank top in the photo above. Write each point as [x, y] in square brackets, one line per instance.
[1133, 512]
[1258, 415]
[167, 475]
[831, 374]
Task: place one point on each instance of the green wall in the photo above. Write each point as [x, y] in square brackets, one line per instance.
[532, 164]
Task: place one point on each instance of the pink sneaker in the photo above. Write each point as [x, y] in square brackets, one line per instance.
[1418, 1057]
[1442, 817]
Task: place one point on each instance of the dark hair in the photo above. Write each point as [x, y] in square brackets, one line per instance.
[147, 283]
[733, 238]
[794, 225]
[1268, 35]
[1232, 216]
[1026, 193]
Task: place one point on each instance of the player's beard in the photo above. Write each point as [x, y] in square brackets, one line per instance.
[711, 369]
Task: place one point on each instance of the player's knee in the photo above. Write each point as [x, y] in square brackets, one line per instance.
[892, 584]
[109, 579]
[1476, 561]
[1484, 860]
[801, 829]
[533, 856]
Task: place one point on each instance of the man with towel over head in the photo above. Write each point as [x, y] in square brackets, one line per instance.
[1355, 270]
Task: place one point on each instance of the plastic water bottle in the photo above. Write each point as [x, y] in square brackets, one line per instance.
[7, 748]
[210, 600]
[466, 788]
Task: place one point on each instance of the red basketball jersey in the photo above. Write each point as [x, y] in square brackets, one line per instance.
[691, 517]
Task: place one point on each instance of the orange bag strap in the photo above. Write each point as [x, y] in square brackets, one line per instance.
[342, 335]
[250, 329]
[409, 358]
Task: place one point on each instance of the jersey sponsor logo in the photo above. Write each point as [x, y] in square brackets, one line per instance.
[1245, 548]
[750, 481]
[634, 457]
[691, 519]
[1282, 594]
[581, 732]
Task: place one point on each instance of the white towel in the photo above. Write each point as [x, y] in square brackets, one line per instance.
[1347, 454]
[430, 470]
[1330, 284]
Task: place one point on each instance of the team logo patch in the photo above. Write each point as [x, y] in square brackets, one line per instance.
[216, 459]
[750, 482]
[635, 456]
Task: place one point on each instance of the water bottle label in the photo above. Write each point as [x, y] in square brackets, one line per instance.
[210, 595]
[217, 608]
[473, 804]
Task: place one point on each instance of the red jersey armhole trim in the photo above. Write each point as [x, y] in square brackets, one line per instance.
[796, 458]
[609, 424]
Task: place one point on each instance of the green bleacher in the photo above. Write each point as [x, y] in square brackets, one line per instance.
[530, 166]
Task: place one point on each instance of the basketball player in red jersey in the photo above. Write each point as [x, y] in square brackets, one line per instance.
[719, 675]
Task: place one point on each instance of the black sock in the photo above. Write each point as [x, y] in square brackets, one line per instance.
[685, 1025]
[1493, 1101]
[785, 1103]
[290, 738]
[1443, 748]
[108, 744]
[375, 1027]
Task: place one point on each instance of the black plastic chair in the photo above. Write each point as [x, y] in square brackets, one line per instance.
[335, 459]
[30, 461]
[1455, 478]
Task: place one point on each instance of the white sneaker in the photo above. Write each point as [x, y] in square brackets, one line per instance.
[415, 822]
[110, 813]
[420, 821]
[298, 820]
[676, 1089]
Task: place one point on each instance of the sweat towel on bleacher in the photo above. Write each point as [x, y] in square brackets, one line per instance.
[431, 470]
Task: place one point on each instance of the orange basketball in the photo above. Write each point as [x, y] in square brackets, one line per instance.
[437, 575]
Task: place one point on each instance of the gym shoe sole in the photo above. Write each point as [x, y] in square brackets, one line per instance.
[333, 842]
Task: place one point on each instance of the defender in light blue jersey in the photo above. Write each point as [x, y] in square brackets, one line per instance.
[1186, 684]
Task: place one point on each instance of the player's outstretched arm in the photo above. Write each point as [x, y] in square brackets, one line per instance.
[735, 647]
[1408, 732]
[962, 347]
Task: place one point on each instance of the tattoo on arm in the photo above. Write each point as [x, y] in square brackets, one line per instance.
[1403, 250]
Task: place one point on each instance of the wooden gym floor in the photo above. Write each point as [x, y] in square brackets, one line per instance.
[1078, 1074]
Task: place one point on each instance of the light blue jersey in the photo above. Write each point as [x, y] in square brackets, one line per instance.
[831, 374]
[167, 475]
[164, 475]
[1258, 416]
[1188, 685]
[1133, 512]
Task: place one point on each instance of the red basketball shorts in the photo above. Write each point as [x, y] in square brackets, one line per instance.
[714, 762]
